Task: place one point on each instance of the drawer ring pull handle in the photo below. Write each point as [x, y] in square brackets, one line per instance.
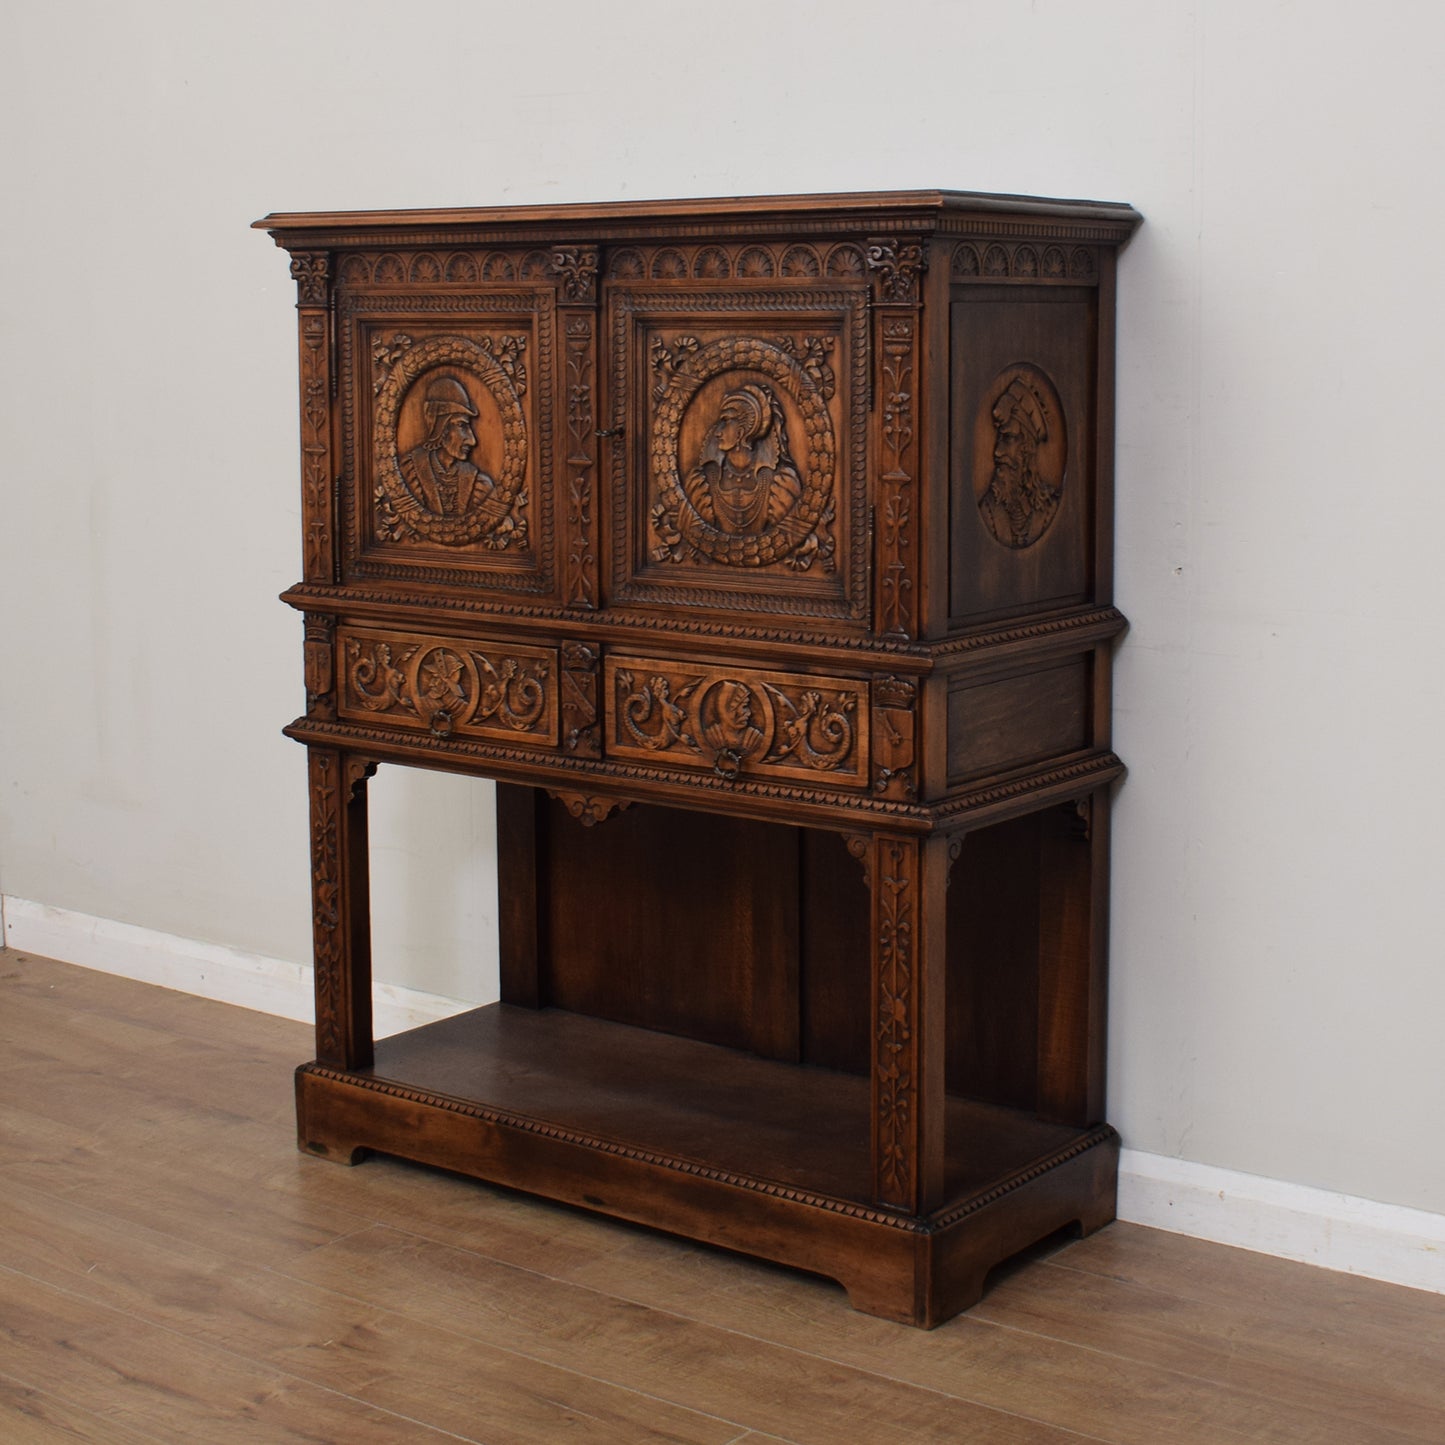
[611, 431]
[728, 764]
[441, 723]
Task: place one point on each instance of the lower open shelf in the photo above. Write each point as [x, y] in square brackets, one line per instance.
[765, 1157]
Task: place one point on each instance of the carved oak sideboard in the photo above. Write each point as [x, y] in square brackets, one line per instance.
[760, 550]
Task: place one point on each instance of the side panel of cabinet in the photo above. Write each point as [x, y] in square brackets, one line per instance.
[449, 442]
[738, 467]
[1024, 489]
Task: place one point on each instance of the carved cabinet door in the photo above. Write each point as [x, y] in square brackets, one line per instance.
[737, 388]
[447, 383]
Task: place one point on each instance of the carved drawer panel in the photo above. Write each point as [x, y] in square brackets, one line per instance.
[449, 686]
[738, 722]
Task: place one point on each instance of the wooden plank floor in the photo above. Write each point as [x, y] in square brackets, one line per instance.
[171, 1269]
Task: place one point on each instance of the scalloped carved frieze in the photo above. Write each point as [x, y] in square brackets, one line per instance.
[738, 722]
[753, 261]
[445, 268]
[448, 686]
[1023, 261]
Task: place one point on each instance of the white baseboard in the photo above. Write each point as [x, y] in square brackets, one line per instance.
[269, 985]
[1270, 1216]
[1292, 1221]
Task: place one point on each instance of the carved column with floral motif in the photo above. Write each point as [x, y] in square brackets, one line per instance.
[897, 268]
[341, 908]
[575, 268]
[908, 879]
[312, 273]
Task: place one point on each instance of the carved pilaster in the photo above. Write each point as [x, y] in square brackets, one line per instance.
[894, 723]
[897, 268]
[907, 881]
[580, 731]
[581, 517]
[896, 519]
[340, 908]
[312, 272]
[895, 1022]
[575, 270]
[320, 648]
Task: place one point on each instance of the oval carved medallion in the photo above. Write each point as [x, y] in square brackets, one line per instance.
[1019, 454]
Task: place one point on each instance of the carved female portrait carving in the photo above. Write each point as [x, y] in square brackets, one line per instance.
[730, 488]
[745, 479]
[1020, 451]
[451, 442]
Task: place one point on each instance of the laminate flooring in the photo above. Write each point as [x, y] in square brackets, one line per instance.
[171, 1269]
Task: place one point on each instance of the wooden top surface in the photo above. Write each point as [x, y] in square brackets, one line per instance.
[919, 205]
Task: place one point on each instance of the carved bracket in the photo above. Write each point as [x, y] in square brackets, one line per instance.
[588, 809]
[311, 270]
[576, 268]
[898, 268]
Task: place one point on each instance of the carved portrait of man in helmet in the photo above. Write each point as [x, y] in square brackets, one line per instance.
[439, 472]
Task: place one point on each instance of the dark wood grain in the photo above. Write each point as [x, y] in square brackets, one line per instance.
[760, 549]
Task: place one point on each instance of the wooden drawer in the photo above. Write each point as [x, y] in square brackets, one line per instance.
[449, 686]
[737, 722]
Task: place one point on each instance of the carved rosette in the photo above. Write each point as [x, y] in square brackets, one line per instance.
[494, 510]
[895, 1035]
[580, 732]
[739, 723]
[795, 526]
[894, 720]
[447, 686]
